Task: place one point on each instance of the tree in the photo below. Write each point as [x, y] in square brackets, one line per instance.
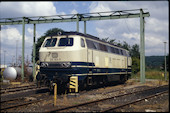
[40, 40]
[134, 52]
[105, 39]
[135, 65]
[112, 41]
[126, 46]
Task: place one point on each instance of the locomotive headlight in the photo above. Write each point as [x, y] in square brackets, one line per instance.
[44, 64]
[66, 64]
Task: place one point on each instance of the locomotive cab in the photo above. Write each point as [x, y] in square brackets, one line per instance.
[62, 48]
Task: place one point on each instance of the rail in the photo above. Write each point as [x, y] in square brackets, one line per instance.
[101, 100]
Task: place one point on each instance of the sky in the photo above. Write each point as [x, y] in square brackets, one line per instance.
[128, 30]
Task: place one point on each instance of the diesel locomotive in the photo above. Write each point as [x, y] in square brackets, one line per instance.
[76, 60]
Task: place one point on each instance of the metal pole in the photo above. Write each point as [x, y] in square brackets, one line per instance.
[13, 58]
[4, 58]
[165, 60]
[0, 50]
[23, 47]
[34, 55]
[142, 48]
[16, 51]
[84, 27]
[77, 23]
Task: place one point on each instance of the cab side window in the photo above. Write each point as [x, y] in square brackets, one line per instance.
[82, 42]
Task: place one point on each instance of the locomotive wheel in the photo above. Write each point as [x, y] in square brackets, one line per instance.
[51, 87]
[47, 82]
[84, 85]
[123, 78]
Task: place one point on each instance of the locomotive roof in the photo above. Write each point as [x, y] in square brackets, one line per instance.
[85, 35]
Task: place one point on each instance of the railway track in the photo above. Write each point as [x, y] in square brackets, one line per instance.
[14, 89]
[114, 102]
[20, 99]
[111, 109]
[19, 102]
[17, 89]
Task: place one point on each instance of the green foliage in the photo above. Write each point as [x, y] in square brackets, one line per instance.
[53, 31]
[152, 74]
[134, 51]
[126, 46]
[40, 40]
[154, 62]
[135, 65]
[105, 39]
[110, 41]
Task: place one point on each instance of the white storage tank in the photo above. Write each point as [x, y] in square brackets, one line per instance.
[10, 73]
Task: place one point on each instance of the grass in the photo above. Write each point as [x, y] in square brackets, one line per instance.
[152, 74]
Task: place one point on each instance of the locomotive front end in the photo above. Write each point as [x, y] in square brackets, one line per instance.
[57, 56]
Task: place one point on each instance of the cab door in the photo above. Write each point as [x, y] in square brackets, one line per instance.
[89, 55]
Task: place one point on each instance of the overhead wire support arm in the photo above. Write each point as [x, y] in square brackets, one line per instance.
[73, 18]
[60, 17]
